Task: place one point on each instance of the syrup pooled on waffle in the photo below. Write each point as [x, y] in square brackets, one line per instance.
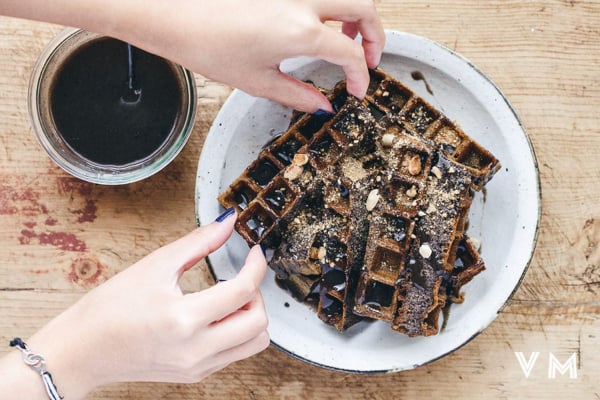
[366, 209]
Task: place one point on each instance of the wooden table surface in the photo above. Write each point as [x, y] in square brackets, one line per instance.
[60, 236]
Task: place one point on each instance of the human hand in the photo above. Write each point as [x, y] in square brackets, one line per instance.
[242, 43]
[139, 326]
[238, 42]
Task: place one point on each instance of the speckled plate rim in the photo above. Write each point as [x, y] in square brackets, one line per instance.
[413, 48]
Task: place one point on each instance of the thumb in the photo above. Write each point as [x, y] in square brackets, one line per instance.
[182, 254]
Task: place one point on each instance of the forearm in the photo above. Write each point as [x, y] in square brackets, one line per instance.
[124, 19]
[86, 14]
[62, 342]
[144, 23]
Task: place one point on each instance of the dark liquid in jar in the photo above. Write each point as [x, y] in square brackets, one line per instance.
[88, 107]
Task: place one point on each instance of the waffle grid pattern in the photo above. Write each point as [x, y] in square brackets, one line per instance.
[366, 209]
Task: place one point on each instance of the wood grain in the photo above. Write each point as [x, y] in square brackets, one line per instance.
[60, 237]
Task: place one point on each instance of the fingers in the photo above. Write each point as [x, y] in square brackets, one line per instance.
[342, 50]
[217, 302]
[357, 16]
[293, 93]
[231, 327]
[350, 29]
[321, 41]
[224, 358]
[240, 326]
[243, 350]
[182, 254]
[373, 50]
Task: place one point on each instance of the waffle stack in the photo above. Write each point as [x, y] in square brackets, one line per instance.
[366, 209]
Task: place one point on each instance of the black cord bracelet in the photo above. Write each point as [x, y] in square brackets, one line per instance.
[37, 363]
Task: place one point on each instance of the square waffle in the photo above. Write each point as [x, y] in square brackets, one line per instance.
[366, 209]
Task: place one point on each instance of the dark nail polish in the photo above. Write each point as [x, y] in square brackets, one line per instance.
[322, 113]
[228, 213]
[264, 250]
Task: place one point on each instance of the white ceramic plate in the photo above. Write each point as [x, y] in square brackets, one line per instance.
[505, 221]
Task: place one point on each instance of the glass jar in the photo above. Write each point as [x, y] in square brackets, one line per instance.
[41, 85]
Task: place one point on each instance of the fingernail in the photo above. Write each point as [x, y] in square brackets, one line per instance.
[228, 213]
[322, 113]
[264, 250]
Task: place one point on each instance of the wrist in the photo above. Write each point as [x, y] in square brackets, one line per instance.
[18, 380]
[145, 24]
[63, 345]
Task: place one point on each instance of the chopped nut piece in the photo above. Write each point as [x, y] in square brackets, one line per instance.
[386, 94]
[321, 253]
[372, 199]
[300, 159]
[414, 165]
[437, 172]
[451, 170]
[313, 253]
[387, 140]
[425, 251]
[293, 172]
[431, 209]
[412, 192]
[475, 243]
